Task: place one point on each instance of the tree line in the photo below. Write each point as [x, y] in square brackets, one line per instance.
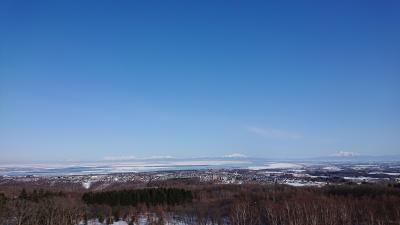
[40, 207]
[37, 195]
[149, 196]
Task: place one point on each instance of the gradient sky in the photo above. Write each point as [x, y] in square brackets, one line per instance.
[91, 79]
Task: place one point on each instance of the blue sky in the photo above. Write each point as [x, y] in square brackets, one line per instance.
[91, 79]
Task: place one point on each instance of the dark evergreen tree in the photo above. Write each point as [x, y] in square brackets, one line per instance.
[148, 196]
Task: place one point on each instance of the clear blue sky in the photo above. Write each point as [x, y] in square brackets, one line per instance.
[90, 79]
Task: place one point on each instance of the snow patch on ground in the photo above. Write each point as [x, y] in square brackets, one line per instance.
[142, 221]
[332, 168]
[303, 184]
[86, 185]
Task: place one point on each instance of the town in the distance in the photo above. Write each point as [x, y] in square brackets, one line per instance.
[340, 168]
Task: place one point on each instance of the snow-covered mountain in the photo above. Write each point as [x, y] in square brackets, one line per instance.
[353, 156]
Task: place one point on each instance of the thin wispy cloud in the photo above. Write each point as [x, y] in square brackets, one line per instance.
[345, 154]
[272, 133]
[235, 155]
[117, 158]
[129, 157]
[160, 157]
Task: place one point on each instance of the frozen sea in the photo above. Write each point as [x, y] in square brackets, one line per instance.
[121, 166]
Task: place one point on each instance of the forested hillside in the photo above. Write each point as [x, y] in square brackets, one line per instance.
[365, 204]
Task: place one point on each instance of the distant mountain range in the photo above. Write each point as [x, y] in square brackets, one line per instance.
[349, 156]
